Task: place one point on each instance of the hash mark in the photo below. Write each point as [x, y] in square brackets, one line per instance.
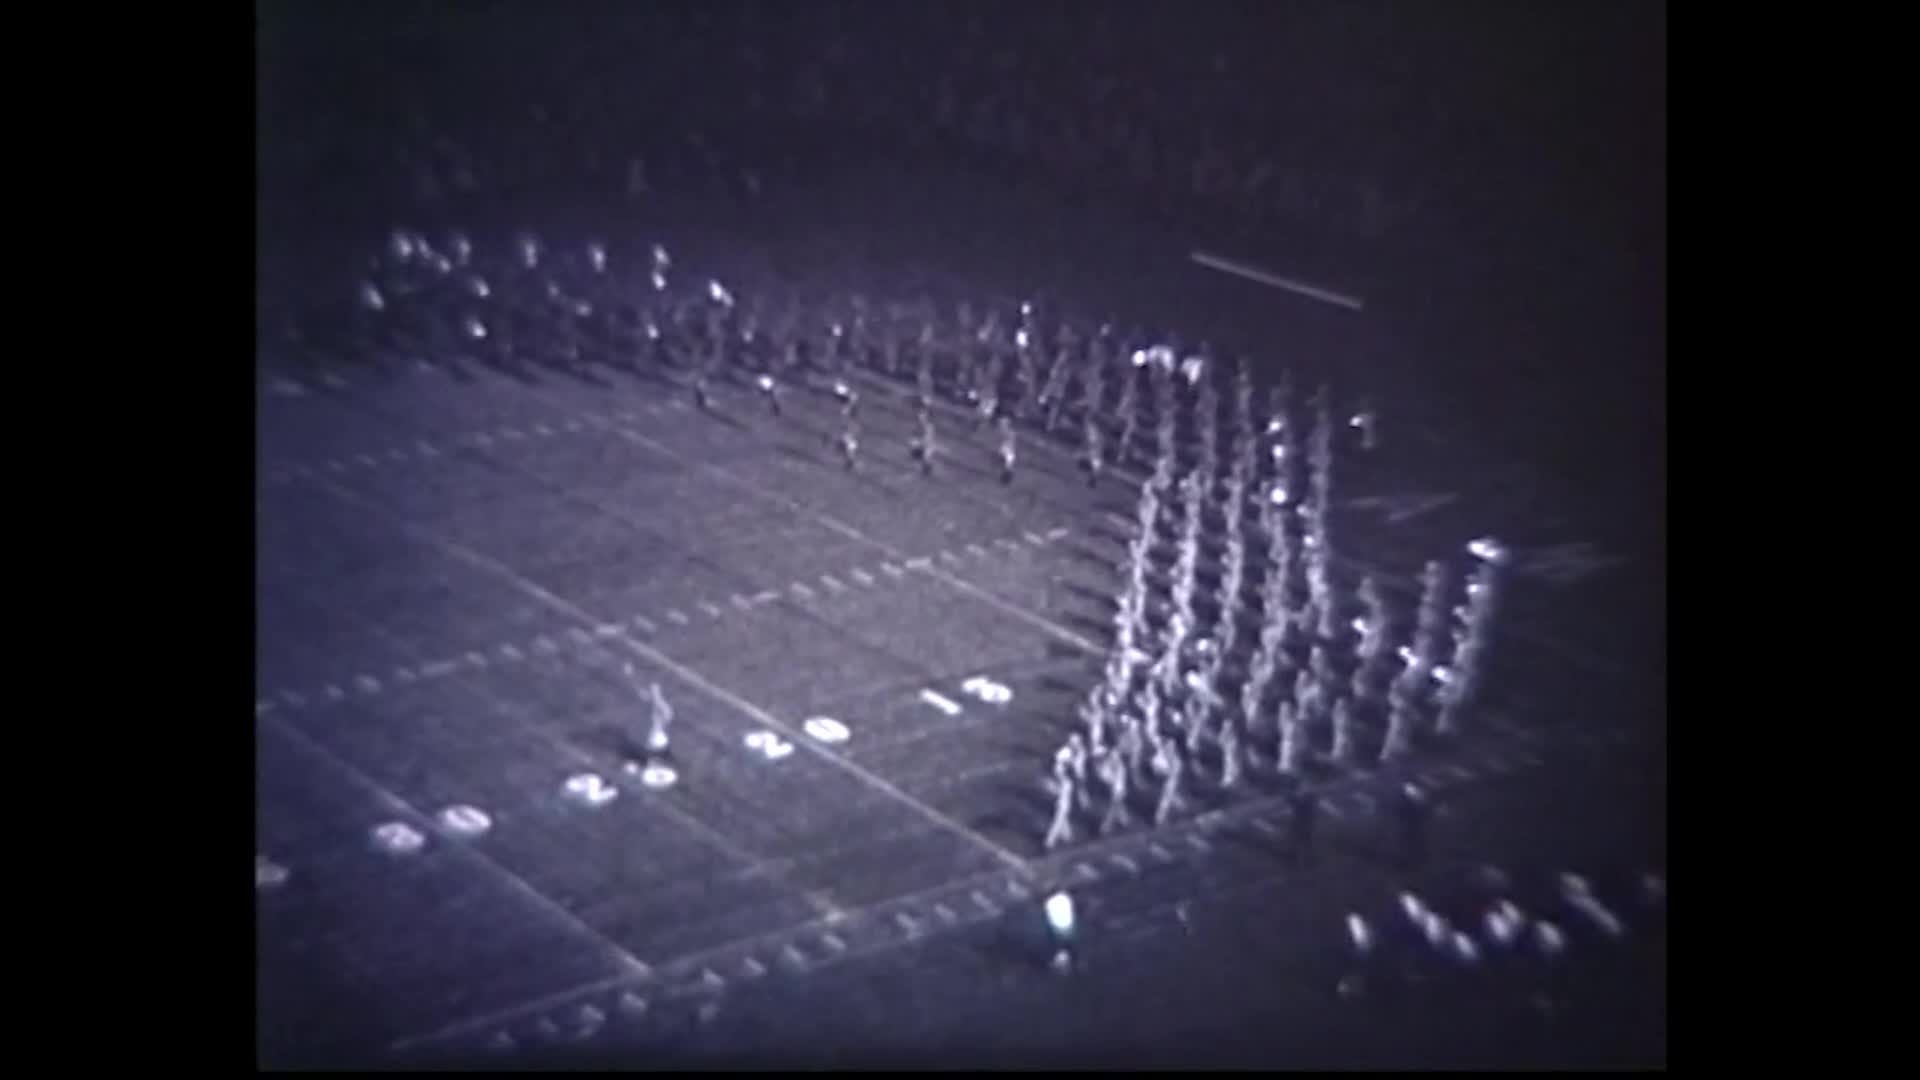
[1034, 538]
[678, 616]
[800, 589]
[767, 597]
[862, 576]
[892, 570]
[831, 582]
[712, 612]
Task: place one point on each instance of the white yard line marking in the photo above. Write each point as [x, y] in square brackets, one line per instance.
[920, 562]
[892, 571]
[712, 611]
[1254, 273]
[976, 551]
[739, 601]
[861, 576]
[940, 701]
[800, 589]
[1034, 538]
[644, 623]
[510, 652]
[607, 630]
[831, 582]
[678, 616]
[1056, 534]
[767, 597]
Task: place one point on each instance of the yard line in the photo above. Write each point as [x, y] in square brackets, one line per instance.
[940, 701]
[712, 611]
[861, 576]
